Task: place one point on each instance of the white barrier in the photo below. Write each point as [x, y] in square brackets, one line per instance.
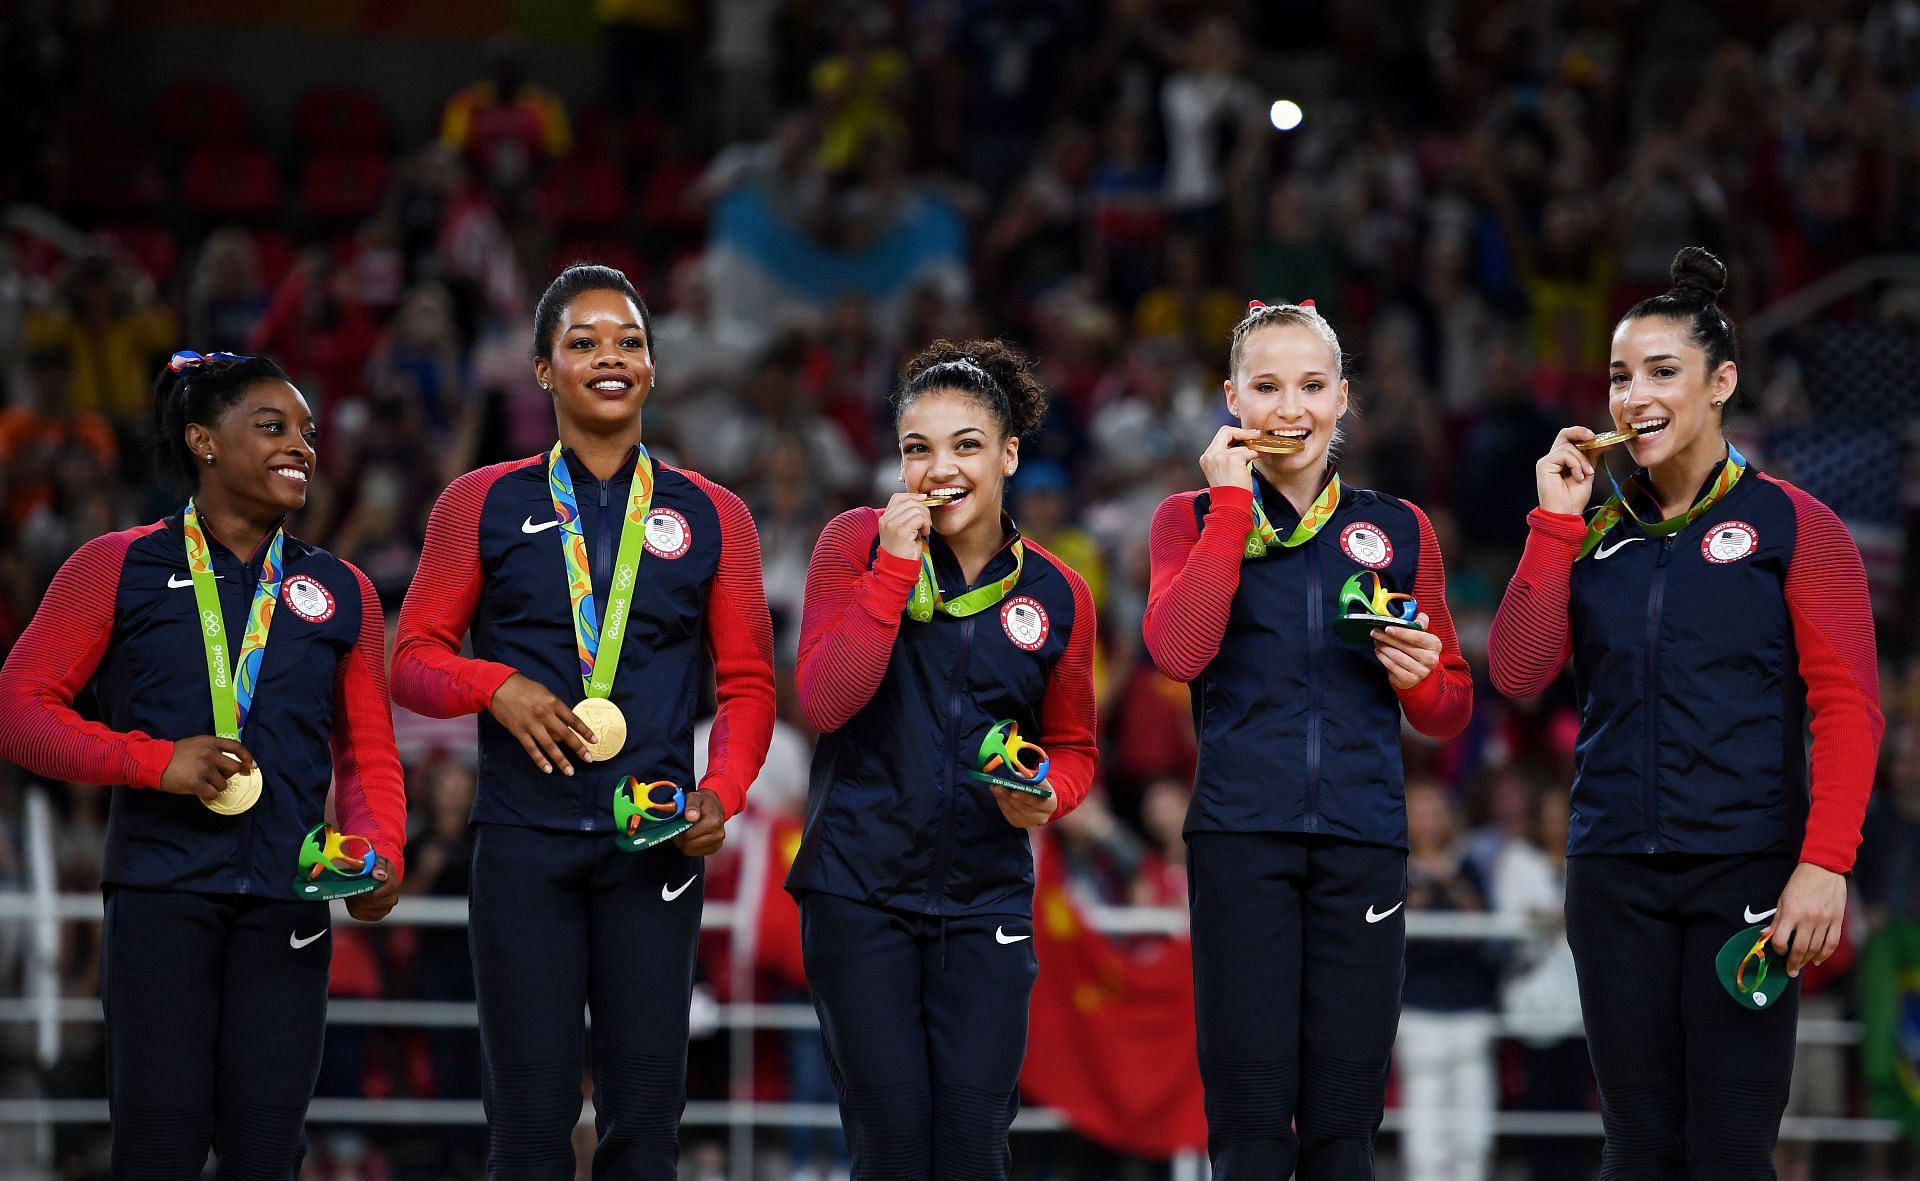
[43, 909]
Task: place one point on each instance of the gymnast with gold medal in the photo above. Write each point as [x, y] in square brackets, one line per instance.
[598, 585]
[214, 950]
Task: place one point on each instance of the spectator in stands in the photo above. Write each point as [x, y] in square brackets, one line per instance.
[857, 91]
[508, 128]
[113, 328]
[1539, 991]
[1444, 1052]
[1213, 119]
[38, 432]
[226, 298]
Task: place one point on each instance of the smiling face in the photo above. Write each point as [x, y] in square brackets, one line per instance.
[1287, 385]
[600, 368]
[1660, 389]
[262, 448]
[949, 439]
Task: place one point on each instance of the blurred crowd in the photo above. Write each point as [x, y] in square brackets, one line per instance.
[807, 194]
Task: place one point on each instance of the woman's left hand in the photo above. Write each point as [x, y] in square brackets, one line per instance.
[709, 825]
[1813, 911]
[1023, 809]
[1408, 654]
[375, 905]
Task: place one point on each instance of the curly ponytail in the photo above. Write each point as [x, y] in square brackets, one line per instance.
[992, 372]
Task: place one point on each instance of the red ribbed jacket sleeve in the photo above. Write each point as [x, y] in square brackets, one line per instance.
[1068, 716]
[1833, 631]
[369, 793]
[1441, 705]
[850, 620]
[1193, 574]
[740, 640]
[430, 676]
[1531, 639]
[54, 660]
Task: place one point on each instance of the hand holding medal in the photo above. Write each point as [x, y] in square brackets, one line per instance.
[1226, 463]
[546, 729]
[1564, 475]
[903, 523]
[201, 766]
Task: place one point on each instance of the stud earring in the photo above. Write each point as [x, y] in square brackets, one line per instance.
[209, 458]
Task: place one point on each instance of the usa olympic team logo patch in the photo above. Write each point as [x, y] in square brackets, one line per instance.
[1367, 544]
[1025, 622]
[307, 599]
[668, 534]
[1729, 541]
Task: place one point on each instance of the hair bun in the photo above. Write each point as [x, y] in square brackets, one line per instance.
[1697, 272]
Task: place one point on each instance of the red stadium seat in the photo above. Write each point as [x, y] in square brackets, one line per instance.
[204, 114]
[231, 182]
[608, 252]
[583, 193]
[152, 248]
[343, 184]
[277, 252]
[340, 118]
[121, 175]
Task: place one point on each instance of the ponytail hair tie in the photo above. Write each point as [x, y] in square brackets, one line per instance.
[188, 359]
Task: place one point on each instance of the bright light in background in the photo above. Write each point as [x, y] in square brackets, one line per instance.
[1285, 113]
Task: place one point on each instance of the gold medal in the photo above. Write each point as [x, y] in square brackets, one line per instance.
[608, 724]
[242, 792]
[940, 496]
[1609, 439]
[1273, 445]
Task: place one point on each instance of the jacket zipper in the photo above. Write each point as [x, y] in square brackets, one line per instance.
[602, 558]
[955, 704]
[937, 886]
[1314, 645]
[1650, 707]
[249, 580]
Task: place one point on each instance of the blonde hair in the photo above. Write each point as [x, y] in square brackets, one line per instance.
[1305, 315]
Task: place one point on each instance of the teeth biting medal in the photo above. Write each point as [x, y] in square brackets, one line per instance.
[1608, 439]
[940, 496]
[1275, 445]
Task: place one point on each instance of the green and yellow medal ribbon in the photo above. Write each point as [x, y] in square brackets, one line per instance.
[1318, 513]
[232, 688]
[927, 597]
[599, 647]
[1608, 515]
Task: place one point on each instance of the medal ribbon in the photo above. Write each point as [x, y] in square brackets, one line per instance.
[1315, 519]
[232, 689]
[1609, 513]
[600, 650]
[927, 597]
